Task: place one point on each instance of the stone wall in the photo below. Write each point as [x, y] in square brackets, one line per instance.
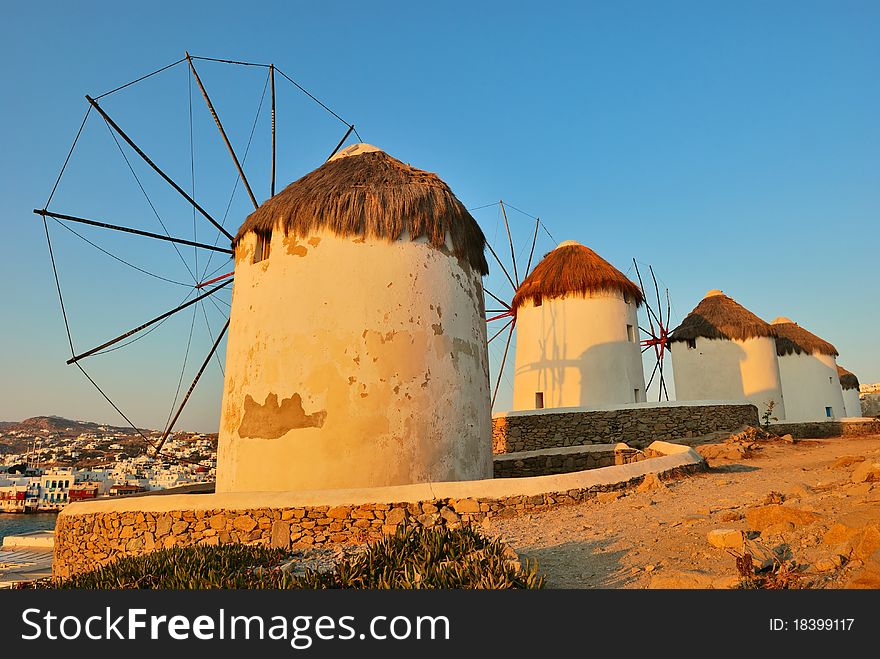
[90, 534]
[822, 429]
[564, 460]
[636, 425]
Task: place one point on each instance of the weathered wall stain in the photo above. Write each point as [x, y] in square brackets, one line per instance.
[293, 246]
[271, 420]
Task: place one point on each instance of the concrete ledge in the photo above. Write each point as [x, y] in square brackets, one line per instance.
[89, 534]
[30, 539]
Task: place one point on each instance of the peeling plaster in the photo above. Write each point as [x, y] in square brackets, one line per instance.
[272, 420]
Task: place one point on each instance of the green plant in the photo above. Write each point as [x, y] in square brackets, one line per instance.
[767, 416]
[410, 558]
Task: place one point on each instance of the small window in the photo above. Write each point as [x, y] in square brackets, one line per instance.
[636, 395]
[626, 297]
[692, 344]
[539, 300]
[828, 412]
[261, 251]
[631, 333]
[539, 400]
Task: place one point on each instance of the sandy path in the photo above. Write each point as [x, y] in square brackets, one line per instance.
[625, 542]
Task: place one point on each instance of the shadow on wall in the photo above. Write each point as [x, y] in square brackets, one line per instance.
[706, 385]
[605, 358]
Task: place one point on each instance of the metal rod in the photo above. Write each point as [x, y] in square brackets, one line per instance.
[138, 232]
[503, 360]
[155, 320]
[503, 269]
[342, 141]
[653, 373]
[645, 298]
[215, 279]
[503, 314]
[657, 293]
[532, 252]
[191, 388]
[509, 240]
[499, 331]
[155, 167]
[222, 131]
[228, 61]
[496, 298]
[128, 84]
[272, 84]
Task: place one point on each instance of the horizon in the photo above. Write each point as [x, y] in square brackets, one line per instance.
[730, 148]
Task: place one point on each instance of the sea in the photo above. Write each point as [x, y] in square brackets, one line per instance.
[15, 523]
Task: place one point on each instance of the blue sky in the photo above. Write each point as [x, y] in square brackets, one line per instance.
[731, 145]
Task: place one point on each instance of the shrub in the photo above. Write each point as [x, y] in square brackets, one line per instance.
[411, 558]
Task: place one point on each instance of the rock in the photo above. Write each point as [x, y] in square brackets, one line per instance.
[763, 557]
[467, 506]
[800, 491]
[428, 519]
[721, 451]
[856, 534]
[725, 538]
[773, 497]
[869, 576]
[867, 472]
[730, 516]
[280, 536]
[605, 497]
[763, 516]
[650, 482]
[847, 460]
[450, 515]
[339, 512]
[859, 489]
[788, 439]
[824, 565]
[778, 529]
[163, 525]
[396, 516]
[244, 523]
[690, 579]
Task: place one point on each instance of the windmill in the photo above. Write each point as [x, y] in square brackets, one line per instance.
[500, 317]
[206, 289]
[657, 330]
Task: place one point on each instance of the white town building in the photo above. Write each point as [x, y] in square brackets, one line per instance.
[357, 349]
[577, 341]
[849, 383]
[810, 381]
[722, 351]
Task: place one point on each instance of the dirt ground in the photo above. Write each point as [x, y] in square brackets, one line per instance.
[658, 537]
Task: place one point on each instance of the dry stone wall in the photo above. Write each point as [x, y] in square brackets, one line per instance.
[636, 426]
[821, 429]
[564, 460]
[88, 535]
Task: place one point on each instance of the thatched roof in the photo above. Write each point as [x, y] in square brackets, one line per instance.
[848, 380]
[791, 338]
[573, 269]
[364, 192]
[718, 316]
